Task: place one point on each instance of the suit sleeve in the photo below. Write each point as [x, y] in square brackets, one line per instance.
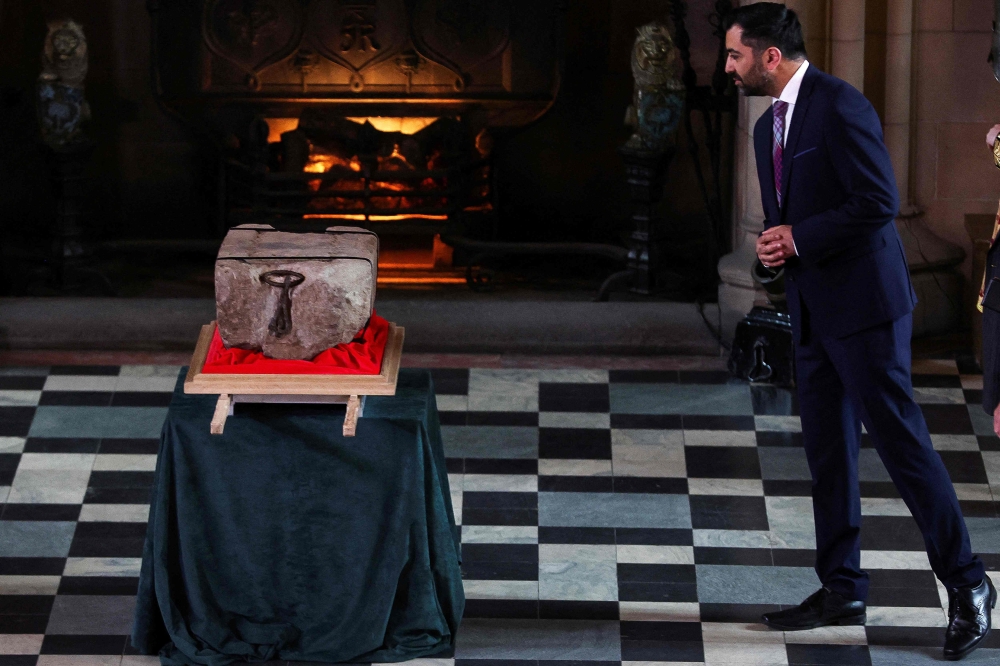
[863, 168]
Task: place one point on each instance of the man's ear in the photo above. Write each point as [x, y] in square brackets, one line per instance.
[772, 58]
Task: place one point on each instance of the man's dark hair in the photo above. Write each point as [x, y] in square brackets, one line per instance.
[768, 24]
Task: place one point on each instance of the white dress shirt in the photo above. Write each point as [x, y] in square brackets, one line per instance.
[790, 94]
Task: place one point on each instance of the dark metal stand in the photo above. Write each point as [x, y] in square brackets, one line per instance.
[644, 175]
[68, 253]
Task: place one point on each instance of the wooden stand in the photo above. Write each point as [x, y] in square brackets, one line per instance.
[322, 389]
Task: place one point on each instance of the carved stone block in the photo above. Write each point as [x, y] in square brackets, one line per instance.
[292, 295]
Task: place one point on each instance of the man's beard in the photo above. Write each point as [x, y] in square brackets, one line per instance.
[756, 82]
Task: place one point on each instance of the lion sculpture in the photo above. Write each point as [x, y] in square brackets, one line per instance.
[658, 94]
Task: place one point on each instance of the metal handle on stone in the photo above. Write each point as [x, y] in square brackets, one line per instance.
[281, 322]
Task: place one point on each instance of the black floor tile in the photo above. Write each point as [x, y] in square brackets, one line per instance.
[23, 623]
[141, 399]
[738, 613]
[688, 651]
[890, 533]
[501, 466]
[104, 370]
[707, 377]
[906, 636]
[879, 489]
[646, 421]
[117, 495]
[575, 484]
[973, 396]
[936, 381]
[712, 512]
[988, 442]
[121, 480]
[828, 655]
[722, 462]
[773, 488]
[22, 383]
[80, 644]
[516, 609]
[33, 604]
[980, 509]
[500, 552]
[793, 557]
[499, 570]
[650, 484]
[108, 540]
[453, 418]
[18, 660]
[472, 516]
[947, 419]
[744, 556]
[578, 610]
[8, 467]
[450, 381]
[964, 466]
[455, 465]
[75, 399]
[903, 597]
[99, 585]
[32, 566]
[652, 536]
[58, 512]
[577, 535]
[701, 422]
[792, 439]
[16, 421]
[61, 445]
[656, 573]
[661, 592]
[774, 401]
[570, 397]
[574, 443]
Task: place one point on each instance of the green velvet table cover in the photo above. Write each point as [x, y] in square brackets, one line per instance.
[283, 539]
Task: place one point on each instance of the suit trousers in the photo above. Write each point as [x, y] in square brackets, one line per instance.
[865, 378]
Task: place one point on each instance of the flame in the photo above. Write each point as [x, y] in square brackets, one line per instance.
[392, 124]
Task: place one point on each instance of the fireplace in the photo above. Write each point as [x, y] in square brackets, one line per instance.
[377, 113]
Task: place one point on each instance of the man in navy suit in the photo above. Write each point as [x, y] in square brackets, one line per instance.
[830, 200]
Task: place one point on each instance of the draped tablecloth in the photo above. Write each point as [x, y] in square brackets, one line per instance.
[282, 539]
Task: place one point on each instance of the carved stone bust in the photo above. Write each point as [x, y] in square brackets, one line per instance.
[658, 93]
[62, 107]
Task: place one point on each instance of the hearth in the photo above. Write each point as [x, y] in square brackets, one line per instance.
[377, 113]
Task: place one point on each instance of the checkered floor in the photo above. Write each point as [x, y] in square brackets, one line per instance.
[607, 516]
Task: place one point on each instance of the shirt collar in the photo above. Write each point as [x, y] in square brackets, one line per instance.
[791, 91]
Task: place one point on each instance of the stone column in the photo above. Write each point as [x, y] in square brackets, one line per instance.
[847, 37]
[896, 120]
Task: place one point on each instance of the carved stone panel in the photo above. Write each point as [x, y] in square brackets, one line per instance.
[357, 33]
[252, 34]
[461, 34]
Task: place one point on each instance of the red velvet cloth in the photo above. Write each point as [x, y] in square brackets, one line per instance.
[360, 356]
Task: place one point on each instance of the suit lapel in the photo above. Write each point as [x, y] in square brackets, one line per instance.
[795, 129]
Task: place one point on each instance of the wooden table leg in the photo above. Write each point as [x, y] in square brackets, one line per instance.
[351, 417]
[222, 410]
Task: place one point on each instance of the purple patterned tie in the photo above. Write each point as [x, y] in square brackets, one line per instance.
[779, 144]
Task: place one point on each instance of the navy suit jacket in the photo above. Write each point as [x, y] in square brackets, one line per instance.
[840, 198]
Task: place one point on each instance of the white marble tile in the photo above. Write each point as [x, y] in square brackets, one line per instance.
[499, 534]
[25, 585]
[80, 383]
[791, 522]
[140, 660]
[509, 483]
[638, 554]
[79, 660]
[974, 492]
[49, 486]
[571, 467]
[663, 663]
[658, 611]
[733, 632]
[456, 505]
[57, 461]
[972, 382]
[992, 461]
[575, 552]
[828, 636]
[895, 616]
[720, 438]
[731, 538]
[578, 580]
[502, 390]
[895, 559]
[938, 396]
[743, 644]
[102, 566]
[955, 442]
[11, 444]
[658, 453]
[777, 423]
[456, 481]
[14, 398]
[739, 487]
[21, 643]
[452, 403]
[598, 420]
[883, 506]
[934, 366]
[573, 375]
[500, 589]
[125, 462]
[114, 513]
[4, 493]
[167, 371]
[422, 662]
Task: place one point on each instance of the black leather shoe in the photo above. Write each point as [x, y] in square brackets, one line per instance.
[968, 617]
[820, 610]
